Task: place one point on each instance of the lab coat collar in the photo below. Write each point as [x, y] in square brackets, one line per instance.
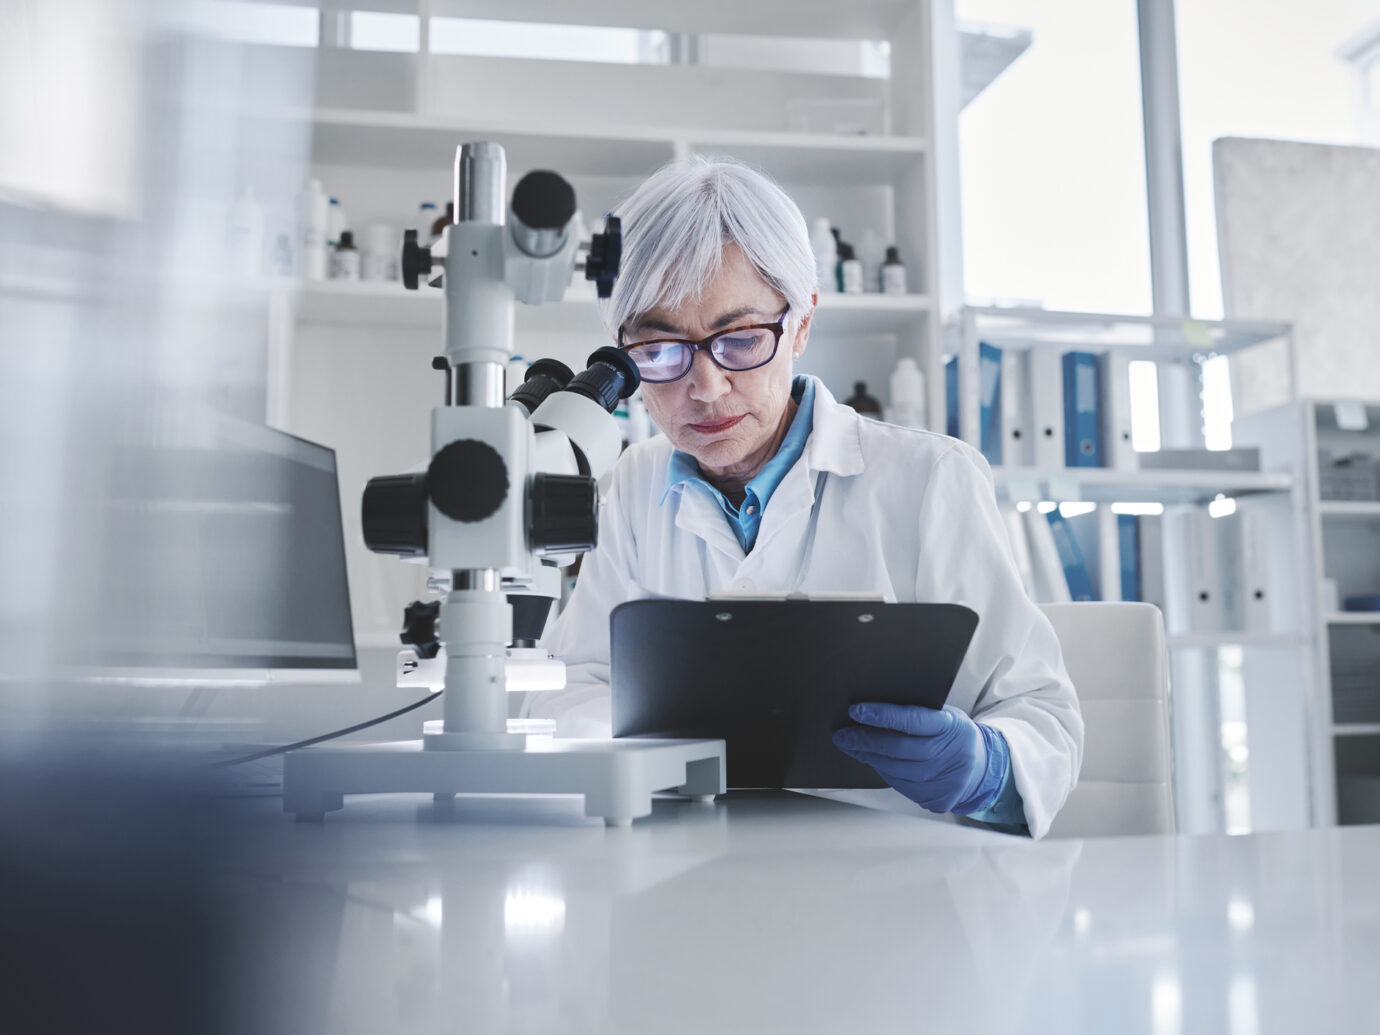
[835, 444]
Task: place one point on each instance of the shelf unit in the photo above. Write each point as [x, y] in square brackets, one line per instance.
[1346, 536]
[1277, 664]
[350, 363]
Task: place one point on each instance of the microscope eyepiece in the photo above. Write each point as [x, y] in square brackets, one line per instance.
[610, 376]
[544, 377]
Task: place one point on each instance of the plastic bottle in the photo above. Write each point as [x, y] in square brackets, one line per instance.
[315, 208]
[247, 234]
[907, 394]
[426, 216]
[893, 273]
[826, 257]
[345, 258]
[862, 402]
[871, 252]
[280, 259]
[850, 270]
[380, 258]
[336, 222]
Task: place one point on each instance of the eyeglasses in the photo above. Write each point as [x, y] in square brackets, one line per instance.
[664, 360]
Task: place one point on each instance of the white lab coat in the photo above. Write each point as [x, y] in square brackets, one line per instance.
[869, 507]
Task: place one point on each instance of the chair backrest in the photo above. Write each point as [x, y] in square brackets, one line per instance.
[1115, 655]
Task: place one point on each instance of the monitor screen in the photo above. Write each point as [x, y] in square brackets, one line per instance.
[223, 558]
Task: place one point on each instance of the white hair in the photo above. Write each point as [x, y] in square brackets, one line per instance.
[677, 223]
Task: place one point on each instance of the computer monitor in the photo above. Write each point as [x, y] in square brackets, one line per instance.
[222, 561]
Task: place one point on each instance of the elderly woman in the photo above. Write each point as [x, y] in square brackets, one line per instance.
[763, 482]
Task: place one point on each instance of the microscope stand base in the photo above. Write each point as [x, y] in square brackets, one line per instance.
[617, 777]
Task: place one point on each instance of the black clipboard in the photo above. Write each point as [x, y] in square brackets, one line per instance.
[774, 678]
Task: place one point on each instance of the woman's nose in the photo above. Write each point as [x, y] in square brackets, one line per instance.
[706, 381]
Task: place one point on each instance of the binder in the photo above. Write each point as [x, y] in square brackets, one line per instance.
[1128, 548]
[951, 397]
[1051, 584]
[1150, 558]
[1245, 572]
[1017, 428]
[1116, 411]
[1108, 554]
[1082, 411]
[1192, 572]
[1046, 378]
[989, 389]
[1071, 557]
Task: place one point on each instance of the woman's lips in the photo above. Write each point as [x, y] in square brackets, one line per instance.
[715, 426]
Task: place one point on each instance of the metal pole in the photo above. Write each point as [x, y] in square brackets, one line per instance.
[1164, 166]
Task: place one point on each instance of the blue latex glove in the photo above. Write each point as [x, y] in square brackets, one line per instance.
[942, 760]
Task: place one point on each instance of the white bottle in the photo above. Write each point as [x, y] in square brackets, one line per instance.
[336, 222]
[871, 253]
[850, 271]
[345, 258]
[907, 394]
[380, 259]
[639, 422]
[426, 215]
[315, 208]
[247, 234]
[826, 256]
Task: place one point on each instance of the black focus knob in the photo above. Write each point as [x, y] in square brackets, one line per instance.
[393, 515]
[605, 253]
[467, 480]
[416, 260]
[563, 513]
[419, 627]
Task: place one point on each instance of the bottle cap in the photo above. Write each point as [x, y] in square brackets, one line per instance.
[347, 239]
[846, 251]
[892, 255]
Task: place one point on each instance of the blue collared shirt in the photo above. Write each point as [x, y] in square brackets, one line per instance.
[746, 519]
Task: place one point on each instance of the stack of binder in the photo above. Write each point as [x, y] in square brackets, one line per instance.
[1048, 408]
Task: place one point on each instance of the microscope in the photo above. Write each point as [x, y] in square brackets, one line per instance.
[510, 496]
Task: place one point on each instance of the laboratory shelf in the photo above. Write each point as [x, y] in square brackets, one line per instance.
[1150, 337]
[1349, 508]
[1356, 729]
[389, 304]
[1104, 485]
[394, 139]
[1354, 618]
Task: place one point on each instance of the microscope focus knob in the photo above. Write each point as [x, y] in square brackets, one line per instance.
[419, 627]
[563, 513]
[393, 515]
[605, 255]
[416, 260]
[467, 480]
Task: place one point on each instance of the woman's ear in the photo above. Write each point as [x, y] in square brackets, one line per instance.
[802, 336]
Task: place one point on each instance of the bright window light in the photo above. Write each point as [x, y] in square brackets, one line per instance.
[484, 38]
[1217, 409]
[1071, 510]
[1137, 508]
[1145, 406]
[244, 22]
[1046, 506]
[1023, 506]
[372, 30]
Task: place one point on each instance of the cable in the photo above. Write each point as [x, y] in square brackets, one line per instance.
[327, 736]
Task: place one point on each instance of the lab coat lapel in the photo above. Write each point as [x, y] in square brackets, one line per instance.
[699, 514]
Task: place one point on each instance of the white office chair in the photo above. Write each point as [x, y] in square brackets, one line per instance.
[1115, 655]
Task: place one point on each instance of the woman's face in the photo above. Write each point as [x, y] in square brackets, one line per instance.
[729, 421]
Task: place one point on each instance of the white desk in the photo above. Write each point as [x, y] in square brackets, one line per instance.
[785, 913]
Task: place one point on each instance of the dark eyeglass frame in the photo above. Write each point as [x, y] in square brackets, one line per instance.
[778, 328]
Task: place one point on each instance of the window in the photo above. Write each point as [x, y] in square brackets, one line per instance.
[1053, 162]
[1255, 69]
